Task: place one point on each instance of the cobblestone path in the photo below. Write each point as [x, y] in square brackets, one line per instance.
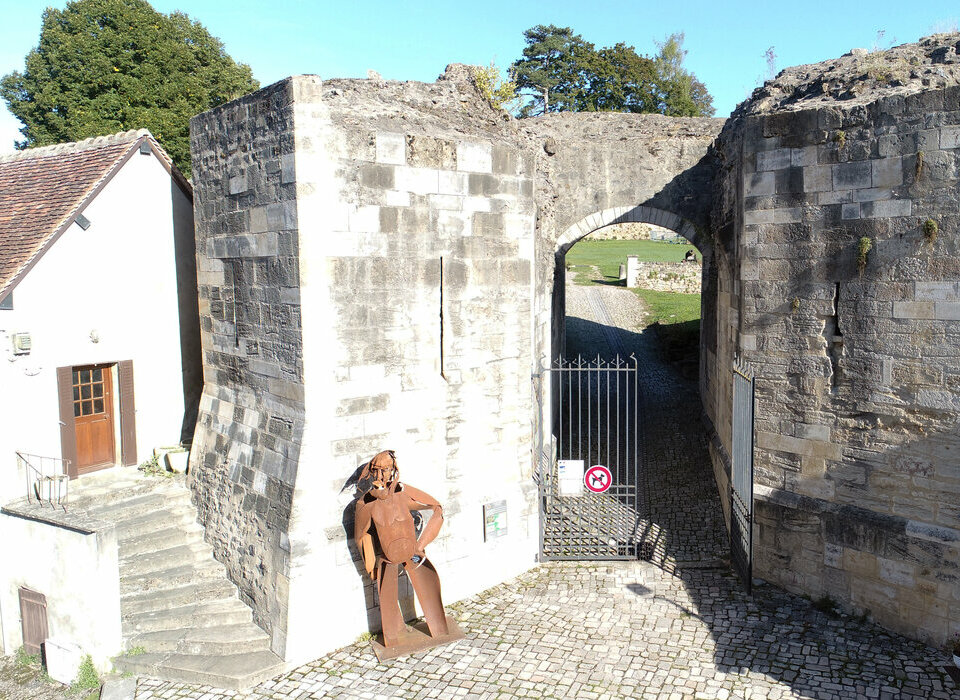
[677, 627]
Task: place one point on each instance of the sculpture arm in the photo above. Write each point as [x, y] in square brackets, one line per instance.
[424, 501]
[363, 538]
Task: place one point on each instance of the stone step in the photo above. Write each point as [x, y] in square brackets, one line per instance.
[140, 601]
[157, 520]
[227, 611]
[175, 535]
[173, 577]
[150, 562]
[221, 640]
[106, 489]
[121, 510]
[231, 671]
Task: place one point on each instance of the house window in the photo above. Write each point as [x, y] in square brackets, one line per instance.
[88, 392]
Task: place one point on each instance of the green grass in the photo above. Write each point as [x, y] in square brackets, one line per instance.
[669, 307]
[608, 255]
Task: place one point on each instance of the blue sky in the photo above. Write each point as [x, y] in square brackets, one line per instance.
[411, 40]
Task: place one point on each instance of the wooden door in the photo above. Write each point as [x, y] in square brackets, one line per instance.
[93, 417]
[33, 618]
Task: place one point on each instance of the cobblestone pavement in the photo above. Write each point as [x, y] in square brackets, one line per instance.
[625, 630]
[677, 627]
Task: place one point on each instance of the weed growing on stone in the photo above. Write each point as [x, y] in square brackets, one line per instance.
[930, 231]
[365, 637]
[864, 246]
[918, 166]
[152, 467]
[500, 93]
[87, 679]
[136, 651]
[25, 659]
[826, 605]
[795, 304]
[840, 138]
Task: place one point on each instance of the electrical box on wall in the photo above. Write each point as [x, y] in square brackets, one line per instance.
[21, 343]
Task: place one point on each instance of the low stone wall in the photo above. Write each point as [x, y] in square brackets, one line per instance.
[887, 567]
[683, 278]
[634, 232]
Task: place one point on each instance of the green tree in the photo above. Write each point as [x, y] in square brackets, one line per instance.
[681, 94]
[104, 66]
[555, 69]
[623, 81]
[560, 71]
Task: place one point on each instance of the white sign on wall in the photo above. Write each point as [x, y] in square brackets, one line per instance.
[571, 477]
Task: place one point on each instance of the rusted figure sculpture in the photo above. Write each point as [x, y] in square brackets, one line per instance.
[387, 505]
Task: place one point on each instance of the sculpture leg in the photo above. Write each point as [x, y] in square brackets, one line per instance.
[390, 617]
[426, 584]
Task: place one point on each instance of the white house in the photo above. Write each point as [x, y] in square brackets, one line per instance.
[99, 331]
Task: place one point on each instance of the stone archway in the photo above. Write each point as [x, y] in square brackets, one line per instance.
[639, 214]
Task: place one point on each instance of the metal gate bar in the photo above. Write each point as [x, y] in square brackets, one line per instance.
[594, 417]
[741, 478]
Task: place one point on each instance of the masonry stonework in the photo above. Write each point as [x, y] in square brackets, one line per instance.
[857, 480]
[381, 268]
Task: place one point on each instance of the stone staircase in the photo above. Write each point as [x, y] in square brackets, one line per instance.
[181, 617]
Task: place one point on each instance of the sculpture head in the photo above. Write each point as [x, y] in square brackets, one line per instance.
[382, 469]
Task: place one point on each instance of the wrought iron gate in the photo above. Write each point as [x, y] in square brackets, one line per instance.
[590, 413]
[741, 479]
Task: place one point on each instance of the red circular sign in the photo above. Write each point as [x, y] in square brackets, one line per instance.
[598, 478]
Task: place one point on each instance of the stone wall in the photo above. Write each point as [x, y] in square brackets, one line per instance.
[381, 268]
[244, 457]
[374, 276]
[680, 278]
[856, 356]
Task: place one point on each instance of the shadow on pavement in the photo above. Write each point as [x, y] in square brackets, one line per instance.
[818, 653]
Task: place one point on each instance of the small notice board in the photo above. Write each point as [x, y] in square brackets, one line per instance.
[494, 520]
[570, 477]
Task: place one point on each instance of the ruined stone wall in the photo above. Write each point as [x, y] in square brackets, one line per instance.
[680, 278]
[598, 170]
[857, 356]
[243, 461]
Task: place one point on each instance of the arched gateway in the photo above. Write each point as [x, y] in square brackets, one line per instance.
[378, 270]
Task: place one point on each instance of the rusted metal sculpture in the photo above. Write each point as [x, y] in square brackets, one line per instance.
[387, 506]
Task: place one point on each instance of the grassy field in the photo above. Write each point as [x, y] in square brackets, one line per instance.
[669, 307]
[676, 317]
[607, 255]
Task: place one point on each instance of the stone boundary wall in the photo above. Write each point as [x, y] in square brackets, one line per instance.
[682, 278]
[857, 356]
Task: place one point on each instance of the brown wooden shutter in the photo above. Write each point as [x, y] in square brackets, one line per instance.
[68, 430]
[33, 620]
[128, 423]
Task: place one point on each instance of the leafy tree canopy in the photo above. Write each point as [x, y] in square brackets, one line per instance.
[104, 66]
[560, 71]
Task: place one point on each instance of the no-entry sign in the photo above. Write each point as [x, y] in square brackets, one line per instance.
[598, 478]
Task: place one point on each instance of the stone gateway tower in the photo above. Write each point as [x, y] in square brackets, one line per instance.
[380, 267]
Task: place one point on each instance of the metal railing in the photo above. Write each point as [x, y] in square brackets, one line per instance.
[47, 480]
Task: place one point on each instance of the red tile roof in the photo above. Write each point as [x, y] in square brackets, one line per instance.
[42, 190]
